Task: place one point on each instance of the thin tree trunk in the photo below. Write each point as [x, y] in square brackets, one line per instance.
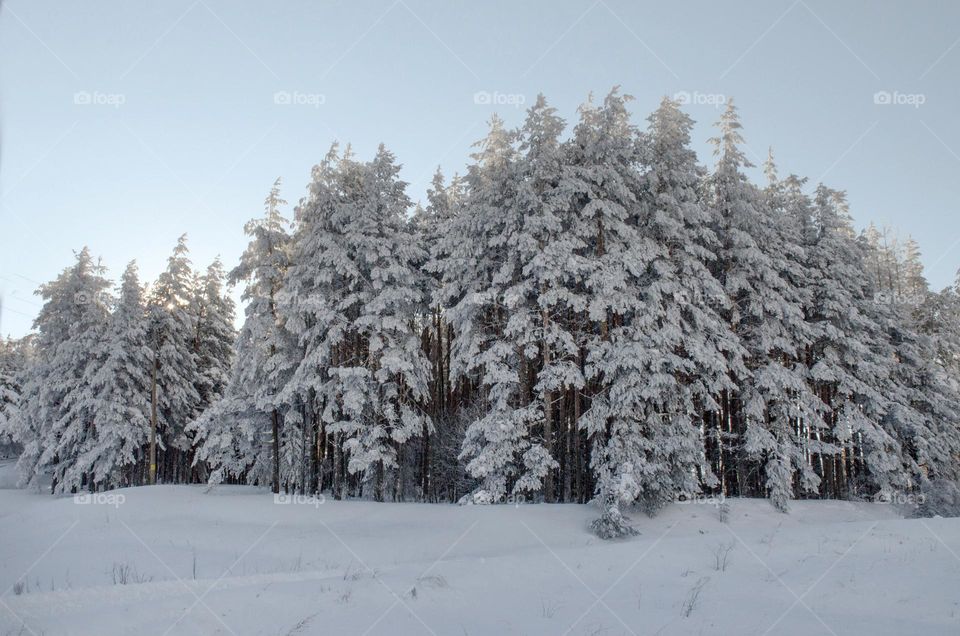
[303, 449]
[568, 429]
[398, 482]
[314, 440]
[153, 423]
[276, 450]
[548, 488]
[338, 485]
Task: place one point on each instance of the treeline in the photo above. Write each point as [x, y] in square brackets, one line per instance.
[589, 315]
[105, 392]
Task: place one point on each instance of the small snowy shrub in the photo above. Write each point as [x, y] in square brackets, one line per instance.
[479, 498]
[613, 524]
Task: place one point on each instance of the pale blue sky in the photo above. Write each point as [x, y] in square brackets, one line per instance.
[199, 137]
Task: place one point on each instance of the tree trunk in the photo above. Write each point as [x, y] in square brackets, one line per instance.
[153, 423]
[276, 450]
[548, 488]
[567, 440]
[314, 440]
[338, 485]
[303, 449]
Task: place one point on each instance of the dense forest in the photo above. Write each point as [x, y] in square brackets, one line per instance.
[586, 314]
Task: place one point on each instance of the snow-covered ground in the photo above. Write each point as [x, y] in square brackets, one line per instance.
[182, 560]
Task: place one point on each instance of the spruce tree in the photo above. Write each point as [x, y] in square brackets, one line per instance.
[755, 261]
[850, 361]
[58, 406]
[174, 368]
[16, 361]
[690, 347]
[214, 339]
[605, 155]
[121, 386]
[542, 299]
[240, 435]
[349, 296]
[477, 267]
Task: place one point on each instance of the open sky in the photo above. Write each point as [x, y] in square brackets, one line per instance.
[126, 123]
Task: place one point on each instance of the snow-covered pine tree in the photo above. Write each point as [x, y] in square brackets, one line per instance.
[16, 358]
[924, 406]
[350, 296]
[215, 335]
[231, 437]
[302, 307]
[240, 435]
[443, 200]
[850, 360]
[690, 354]
[938, 319]
[120, 385]
[542, 300]
[604, 156]
[913, 283]
[58, 406]
[174, 368]
[440, 469]
[895, 268]
[756, 258]
[479, 265]
[213, 346]
[792, 214]
[662, 348]
[10, 388]
[942, 320]
[923, 409]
